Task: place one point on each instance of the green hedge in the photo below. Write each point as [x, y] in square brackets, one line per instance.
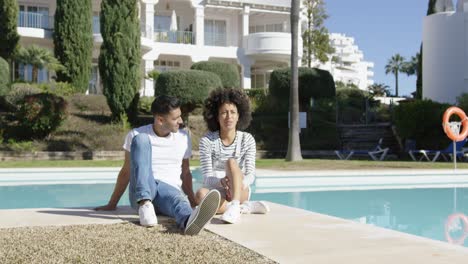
[421, 120]
[313, 83]
[4, 76]
[228, 73]
[190, 86]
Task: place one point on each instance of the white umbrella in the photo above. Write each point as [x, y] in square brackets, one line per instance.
[173, 26]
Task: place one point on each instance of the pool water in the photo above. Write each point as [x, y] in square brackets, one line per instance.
[422, 212]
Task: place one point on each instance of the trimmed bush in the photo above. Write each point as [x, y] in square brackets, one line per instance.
[17, 92]
[228, 73]
[313, 83]
[40, 114]
[4, 76]
[190, 86]
[421, 120]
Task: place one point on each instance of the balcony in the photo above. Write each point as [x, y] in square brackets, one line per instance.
[35, 20]
[177, 37]
[268, 44]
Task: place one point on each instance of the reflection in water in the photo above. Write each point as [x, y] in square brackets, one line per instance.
[456, 228]
[421, 212]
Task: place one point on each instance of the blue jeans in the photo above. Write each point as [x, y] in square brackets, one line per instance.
[166, 199]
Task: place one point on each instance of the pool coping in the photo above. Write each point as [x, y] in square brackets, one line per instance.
[285, 234]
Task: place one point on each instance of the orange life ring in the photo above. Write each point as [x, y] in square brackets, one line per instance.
[446, 120]
[461, 239]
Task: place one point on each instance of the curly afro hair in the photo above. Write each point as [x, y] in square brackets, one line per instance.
[232, 96]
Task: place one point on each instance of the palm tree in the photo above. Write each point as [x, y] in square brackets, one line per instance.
[411, 67]
[379, 89]
[395, 65]
[294, 144]
[39, 58]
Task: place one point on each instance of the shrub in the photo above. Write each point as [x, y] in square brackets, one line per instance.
[144, 105]
[58, 88]
[190, 86]
[17, 92]
[352, 104]
[40, 114]
[228, 73]
[421, 120]
[313, 83]
[4, 76]
[258, 97]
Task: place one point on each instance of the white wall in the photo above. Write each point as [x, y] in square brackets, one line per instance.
[444, 56]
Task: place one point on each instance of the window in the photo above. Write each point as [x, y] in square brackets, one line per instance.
[166, 65]
[96, 24]
[25, 73]
[266, 28]
[215, 33]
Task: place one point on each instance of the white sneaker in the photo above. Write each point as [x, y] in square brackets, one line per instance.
[232, 214]
[147, 214]
[203, 213]
[254, 207]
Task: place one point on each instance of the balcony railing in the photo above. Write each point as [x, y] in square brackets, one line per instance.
[182, 37]
[35, 20]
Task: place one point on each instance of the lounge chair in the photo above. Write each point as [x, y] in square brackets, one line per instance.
[434, 155]
[377, 153]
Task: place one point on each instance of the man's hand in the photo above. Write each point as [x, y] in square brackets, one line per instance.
[107, 207]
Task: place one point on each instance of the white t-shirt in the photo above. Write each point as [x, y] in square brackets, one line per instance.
[167, 153]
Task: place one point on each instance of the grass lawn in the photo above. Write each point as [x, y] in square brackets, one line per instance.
[279, 164]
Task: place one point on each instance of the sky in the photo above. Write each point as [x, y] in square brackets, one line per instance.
[381, 29]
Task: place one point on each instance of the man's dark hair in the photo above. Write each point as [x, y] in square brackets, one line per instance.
[163, 104]
[231, 96]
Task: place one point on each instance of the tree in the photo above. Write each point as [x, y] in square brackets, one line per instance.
[9, 37]
[379, 89]
[73, 42]
[316, 41]
[395, 65]
[119, 60]
[294, 144]
[39, 58]
[411, 67]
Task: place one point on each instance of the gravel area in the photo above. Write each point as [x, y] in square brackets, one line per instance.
[119, 243]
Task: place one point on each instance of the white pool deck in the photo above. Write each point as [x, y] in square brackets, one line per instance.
[286, 235]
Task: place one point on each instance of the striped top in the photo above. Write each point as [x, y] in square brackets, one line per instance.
[214, 154]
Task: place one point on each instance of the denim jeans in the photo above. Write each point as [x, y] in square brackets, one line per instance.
[166, 199]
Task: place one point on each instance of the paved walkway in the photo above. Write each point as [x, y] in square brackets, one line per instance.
[286, 235]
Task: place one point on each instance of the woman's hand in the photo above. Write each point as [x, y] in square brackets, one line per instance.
[227, 188]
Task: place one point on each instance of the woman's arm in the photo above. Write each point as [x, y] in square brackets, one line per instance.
[206, 162]
[250, 154]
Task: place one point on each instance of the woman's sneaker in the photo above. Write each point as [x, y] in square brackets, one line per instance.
[254, 207]
[147, 214]
[232, 213]
[203, 213]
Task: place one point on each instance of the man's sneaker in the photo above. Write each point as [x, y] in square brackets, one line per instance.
[203, 213]
[254, 207]
[232, 213]
[147, 214]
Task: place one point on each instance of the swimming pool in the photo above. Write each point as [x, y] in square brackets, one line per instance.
[423, 212]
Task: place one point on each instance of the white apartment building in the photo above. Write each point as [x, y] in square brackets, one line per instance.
[253, 34]
[347, 64]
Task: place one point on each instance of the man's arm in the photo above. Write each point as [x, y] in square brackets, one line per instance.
[187, 182]
[120, 186]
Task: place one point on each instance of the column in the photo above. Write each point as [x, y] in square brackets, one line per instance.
[147, 16]
[245, 24]
[199, 25]
[246, 65]
[147, 87]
